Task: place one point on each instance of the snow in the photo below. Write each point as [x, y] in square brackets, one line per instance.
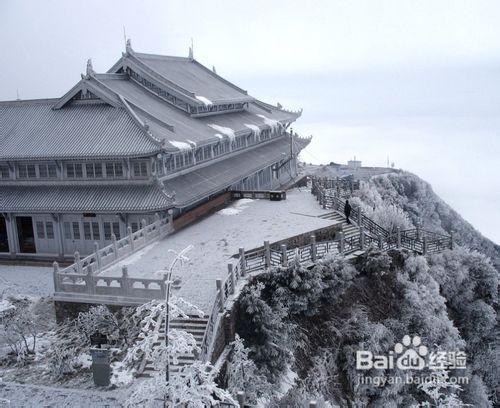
[205, 101]
[218, 135]
[224, 130]
[26, 280]
[180, 145]
[272, 123]
[236, 208]
[5, 306]
[193, 144]
[25, 395]
[85, 360]
[255, 129]
[218, 237]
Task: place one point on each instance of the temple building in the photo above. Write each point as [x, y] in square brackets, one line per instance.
[154, 135]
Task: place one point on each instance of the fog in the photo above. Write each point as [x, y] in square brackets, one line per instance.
[415, 82]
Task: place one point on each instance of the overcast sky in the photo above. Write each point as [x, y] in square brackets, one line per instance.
[45, 43]
[414, 80]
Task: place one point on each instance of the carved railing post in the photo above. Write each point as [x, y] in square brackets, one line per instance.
[97, 256]
[380, 241]
[125, 281]
[424, 245]
[451, 240]
[358, 212]
[115, 246]
[90, 282]
[267, 254]
[78, 262]
[313, 248]
[362, 237]
[243, 262]
[418, 232]
[342, 242]
[230, 273]
[284, 258]
[130, 238]
[398, 237]
[56, 276]
[220, 294]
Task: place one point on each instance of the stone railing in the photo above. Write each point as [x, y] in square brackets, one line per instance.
[332, 196]
[81, 277]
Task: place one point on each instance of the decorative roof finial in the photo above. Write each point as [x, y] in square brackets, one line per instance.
[213, 69]
[90, 69]
[191, 50]
[128, 45]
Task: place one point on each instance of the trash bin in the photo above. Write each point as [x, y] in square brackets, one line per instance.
[101, 369]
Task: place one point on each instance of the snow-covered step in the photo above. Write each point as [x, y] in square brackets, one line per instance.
[194, 325]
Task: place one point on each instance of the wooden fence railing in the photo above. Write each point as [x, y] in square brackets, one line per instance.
[263, 259]
[417, 239]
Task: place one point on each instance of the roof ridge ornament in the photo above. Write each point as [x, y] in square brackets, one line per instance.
[191, 57]
[128, 46]
[90, 69]
[213, 70]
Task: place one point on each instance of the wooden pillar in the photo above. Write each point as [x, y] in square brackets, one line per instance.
[451, 240]
[424, 245]
[380, 241]
[284, 260]
[243, 262]
[313, 248]
[398, 237]
[220, 293]
[267, 254]
[342, 243]
[230, 273]
[362, 237]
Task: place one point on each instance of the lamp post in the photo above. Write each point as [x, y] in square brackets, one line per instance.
[180, 257]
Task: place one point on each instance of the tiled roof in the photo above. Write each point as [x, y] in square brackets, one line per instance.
[111, 199]
[31, 129]
[185, 126]
[192, 76]
[215, 177]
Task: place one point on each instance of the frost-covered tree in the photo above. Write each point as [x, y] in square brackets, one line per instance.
[243, 374]
[193, 387]
[263, 327]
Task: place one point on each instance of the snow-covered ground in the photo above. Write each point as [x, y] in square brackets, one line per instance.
[26, 280]
[245, 223]
[26, 395]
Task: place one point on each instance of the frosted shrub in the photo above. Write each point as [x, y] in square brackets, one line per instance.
[99, 319]
[18, 329]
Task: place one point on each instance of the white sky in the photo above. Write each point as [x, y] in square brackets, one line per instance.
[45, 43]
[352, 65]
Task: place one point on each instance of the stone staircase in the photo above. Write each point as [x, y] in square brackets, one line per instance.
[194, 325]
[349, 230]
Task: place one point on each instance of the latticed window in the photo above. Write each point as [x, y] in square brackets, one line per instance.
[74, 170]
[4, 171]
[26, 171]
[140, 169]
[94, 170]
[47, 170]
[114, 170]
